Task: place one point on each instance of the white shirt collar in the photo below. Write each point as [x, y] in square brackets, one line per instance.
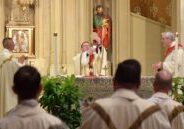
[29, 102]
[6, 50]
[161, 95]
[126, 93]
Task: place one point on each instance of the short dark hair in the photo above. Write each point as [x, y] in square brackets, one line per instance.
[128, 73]
[5, 41]
[27, 82]
[99, 6]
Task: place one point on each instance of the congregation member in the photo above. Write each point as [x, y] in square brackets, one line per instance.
[28, 114]
[125, 109]
[162, 86]
[173, 57]
[8, 66]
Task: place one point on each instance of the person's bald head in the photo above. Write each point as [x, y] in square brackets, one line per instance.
[163, 81]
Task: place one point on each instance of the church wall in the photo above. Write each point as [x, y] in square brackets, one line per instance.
[133, 36]
[146, 42]
[158, 10]
[138, 40]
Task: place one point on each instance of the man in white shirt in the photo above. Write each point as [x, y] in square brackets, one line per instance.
[162, 86]
[28, 114]
[8, 66]
[125, 109]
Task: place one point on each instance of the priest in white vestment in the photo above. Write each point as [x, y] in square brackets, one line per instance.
[174, 56]
[100, 60]
[28, 114]
[162, 86]
[8, 66]
[83, 60]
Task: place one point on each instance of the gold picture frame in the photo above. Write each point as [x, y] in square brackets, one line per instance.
[23, 38]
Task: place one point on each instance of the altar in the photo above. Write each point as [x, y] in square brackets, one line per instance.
[100, 87]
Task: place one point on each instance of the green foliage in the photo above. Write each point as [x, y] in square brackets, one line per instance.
[61, 97]
[178, 89]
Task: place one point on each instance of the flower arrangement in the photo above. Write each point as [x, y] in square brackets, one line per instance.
[178, 89]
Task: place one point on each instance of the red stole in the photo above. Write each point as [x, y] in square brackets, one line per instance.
[91, 58]
[170, 49]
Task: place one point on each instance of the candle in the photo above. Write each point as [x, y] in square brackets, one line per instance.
[176, 49]
[176, 41]
[55, 55]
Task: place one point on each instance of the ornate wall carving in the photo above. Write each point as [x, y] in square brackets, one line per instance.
[16, 15]
[158, 10]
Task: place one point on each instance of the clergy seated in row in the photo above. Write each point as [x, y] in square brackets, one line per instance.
[28, 114]
[125, 109]
[91, 61]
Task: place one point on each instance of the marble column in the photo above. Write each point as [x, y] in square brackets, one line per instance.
[181, 20]
[43, 35]
[85, 21]
[56, 41]
[178, 18]
[76, 28]
[121, 31]
[2, 22]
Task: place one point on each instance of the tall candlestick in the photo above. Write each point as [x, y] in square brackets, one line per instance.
[55, 55]
[176, 49]
[176, 40]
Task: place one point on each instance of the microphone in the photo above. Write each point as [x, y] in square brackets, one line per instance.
[87, 54]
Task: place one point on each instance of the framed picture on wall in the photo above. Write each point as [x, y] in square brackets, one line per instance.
[23, 38]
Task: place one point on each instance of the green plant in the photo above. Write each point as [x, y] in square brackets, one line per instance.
[61, 97]
[178, 89]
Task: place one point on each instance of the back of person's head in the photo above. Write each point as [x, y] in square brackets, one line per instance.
[6, 41]
[27, 83]
[169, 35]
[163, 81]
[128, 74]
